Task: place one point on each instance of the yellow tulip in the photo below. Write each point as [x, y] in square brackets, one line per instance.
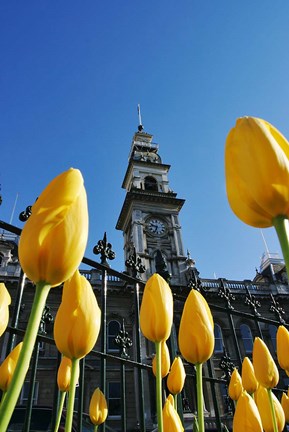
[177, 376]
[54, 238]
[5, 301]
[285, 406]
[263, 404]
[8, 366]
[165, 360]
[98, 407]
[196, 332]
[257, 172]
[171, 399]
[77, 322]
[64, 374]
[156, 312]
[282, 342]
[266, 371]
[249, 381]
[247, 417]
[235, 386]
[171, 419]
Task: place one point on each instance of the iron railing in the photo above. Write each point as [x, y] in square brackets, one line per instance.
[256, 305]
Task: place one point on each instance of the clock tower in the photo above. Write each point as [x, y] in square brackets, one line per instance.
[149, 217]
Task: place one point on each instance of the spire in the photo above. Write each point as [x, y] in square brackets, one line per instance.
[140, 126]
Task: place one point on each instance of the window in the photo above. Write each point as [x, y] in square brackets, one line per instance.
[114, 400]
[150, 183]
[113, 329]
[25, 393]
[272, 332]
[219, 343]
[247, 337]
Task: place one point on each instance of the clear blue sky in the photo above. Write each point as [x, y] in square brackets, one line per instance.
[72, 74]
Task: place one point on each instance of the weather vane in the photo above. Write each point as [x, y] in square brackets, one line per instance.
[140, 126]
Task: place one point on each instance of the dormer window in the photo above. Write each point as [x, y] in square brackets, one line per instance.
[150, 183]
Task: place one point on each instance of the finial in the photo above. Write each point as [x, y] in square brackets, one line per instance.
[140, 126]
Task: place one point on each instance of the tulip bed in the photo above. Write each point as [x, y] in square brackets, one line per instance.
[52, 245]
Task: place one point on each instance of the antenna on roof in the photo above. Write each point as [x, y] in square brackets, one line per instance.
[13, 210]
[140, 126]
[265, 243]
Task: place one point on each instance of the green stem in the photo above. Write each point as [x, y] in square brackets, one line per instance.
[273, 414]
[159, 386]
[13, 392]
[3, 397]
[281, 225]
[71, 395]
[60, 409]
[95, 428]
[200, 401]
[176, 402]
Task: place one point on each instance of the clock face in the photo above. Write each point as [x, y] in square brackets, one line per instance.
[156, 227]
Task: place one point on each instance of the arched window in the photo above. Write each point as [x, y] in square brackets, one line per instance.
[150, 183]
[247, 337]
[219, 342]
[272, 332]
[113, 329]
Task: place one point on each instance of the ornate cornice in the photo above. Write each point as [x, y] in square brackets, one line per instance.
[145, 196]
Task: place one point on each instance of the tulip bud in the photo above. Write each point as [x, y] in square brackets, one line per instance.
[171, 399]
[196, 332]
[285, 406]
[247, 417]
[165, 360]
[235, 386]
[156, 312]
[171, 419]
[64, 374]
[77, 322]
[54, 238]
[249, 381]
[177, 376]
[282, 342]
[5, 301]
[265, 368]
[8, 366]
[98, 408]
[263, 404]
[257, 172]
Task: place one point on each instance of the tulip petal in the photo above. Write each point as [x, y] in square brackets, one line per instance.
[263, 404]
[5, 301]
[248, 376]
[265, 369]
[196, 332]
[247, 417]
[54, 238]
[282, 342]
[235, 386]
[156, 312]
[165, 360]
[171, 419]
[8, 366]
[78, 315]
[176, 377]
[98, 408]
[257, 172]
